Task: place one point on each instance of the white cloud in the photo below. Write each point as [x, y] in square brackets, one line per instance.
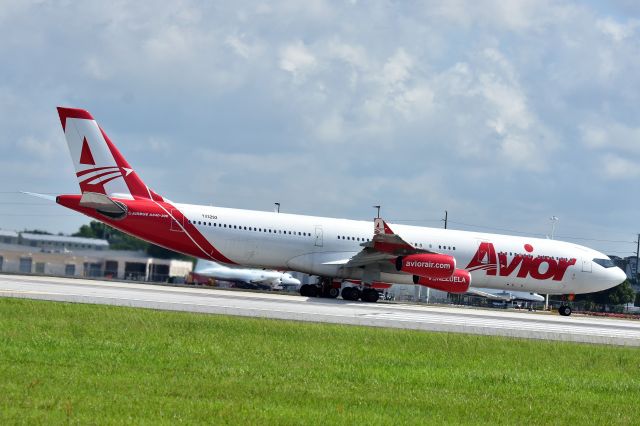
[611, 136]
[619, 168]
[297, 59]
[616, 30]
[397, 70]
[239, 46]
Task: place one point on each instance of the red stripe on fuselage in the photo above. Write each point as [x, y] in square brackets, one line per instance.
[152, 222]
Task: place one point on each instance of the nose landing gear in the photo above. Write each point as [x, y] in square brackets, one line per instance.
[564, 310]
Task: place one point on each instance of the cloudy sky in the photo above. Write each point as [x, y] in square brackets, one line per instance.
[502, 113]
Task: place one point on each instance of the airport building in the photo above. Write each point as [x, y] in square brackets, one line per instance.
[82, 257]
[8, 237]
[61, 242]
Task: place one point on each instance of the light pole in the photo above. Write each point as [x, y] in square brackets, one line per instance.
[277, 207]
[637, 260]
[554, 220]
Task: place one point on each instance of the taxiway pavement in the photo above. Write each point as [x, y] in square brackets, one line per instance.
[524, 324]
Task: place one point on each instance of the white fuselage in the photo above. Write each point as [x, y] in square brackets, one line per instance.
[321, 246]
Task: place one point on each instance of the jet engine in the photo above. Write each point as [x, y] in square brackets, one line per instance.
[430, 265]
[459, 282]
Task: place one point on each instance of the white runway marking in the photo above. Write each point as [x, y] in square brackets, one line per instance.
[431, 318]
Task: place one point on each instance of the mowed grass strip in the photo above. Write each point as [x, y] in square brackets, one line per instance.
[77, 363]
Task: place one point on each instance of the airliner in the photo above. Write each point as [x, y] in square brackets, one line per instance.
[506, 296]
[332, 249]
[249, 276]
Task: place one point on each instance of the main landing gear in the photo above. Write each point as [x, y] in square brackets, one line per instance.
[331, 289]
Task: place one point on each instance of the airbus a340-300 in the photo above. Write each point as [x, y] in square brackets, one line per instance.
[333, 249]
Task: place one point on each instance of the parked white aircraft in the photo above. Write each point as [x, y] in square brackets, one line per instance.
[333, 249]
[506, 295]
[208, 268]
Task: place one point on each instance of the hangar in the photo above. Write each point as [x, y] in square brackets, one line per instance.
[82, 257]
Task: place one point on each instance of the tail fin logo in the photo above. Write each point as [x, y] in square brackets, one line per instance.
[85, 156]
[100, 175]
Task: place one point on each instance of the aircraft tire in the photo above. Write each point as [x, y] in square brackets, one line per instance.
[347, 293]
[369, 295]
[356, 293]
[304, 290]
[565, 311]
[313, 291]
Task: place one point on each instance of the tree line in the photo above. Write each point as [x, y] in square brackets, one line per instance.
[118, 240]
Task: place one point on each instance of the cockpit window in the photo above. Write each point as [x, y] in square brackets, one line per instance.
[605, 263]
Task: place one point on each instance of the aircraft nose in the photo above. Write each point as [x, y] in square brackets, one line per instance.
[611, 278]
[618, 276]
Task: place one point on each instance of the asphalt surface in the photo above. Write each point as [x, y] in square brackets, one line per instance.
[522, 324]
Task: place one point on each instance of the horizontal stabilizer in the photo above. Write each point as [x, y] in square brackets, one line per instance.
[43, 196]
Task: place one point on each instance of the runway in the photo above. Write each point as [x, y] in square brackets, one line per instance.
[529, 325]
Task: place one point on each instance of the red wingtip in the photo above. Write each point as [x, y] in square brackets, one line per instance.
[65, 113]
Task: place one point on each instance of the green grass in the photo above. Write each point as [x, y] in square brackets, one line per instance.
[72, 363]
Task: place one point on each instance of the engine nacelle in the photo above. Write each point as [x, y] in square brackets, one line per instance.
[430, 265]
[459, 282]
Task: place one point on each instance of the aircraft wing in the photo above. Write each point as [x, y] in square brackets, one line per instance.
[486, 293]
[505, 295]
[265, 280]
[385, 246]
